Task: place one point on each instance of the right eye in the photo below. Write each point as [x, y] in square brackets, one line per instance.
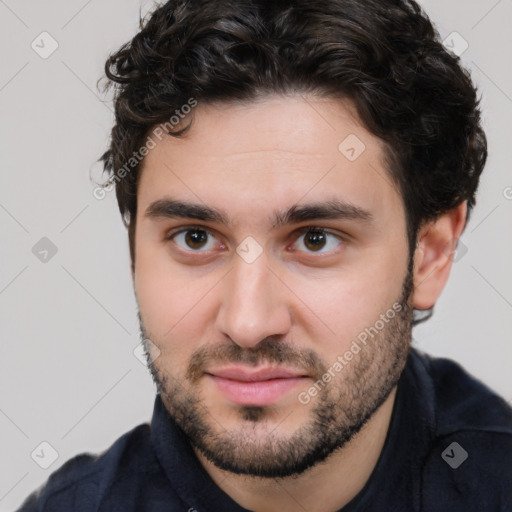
[193, 239]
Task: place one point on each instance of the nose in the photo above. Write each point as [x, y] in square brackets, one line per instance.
[254, 304]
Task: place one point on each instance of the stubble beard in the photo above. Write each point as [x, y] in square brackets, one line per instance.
[339, 411]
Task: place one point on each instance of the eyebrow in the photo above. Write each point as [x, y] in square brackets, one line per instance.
[330, 209]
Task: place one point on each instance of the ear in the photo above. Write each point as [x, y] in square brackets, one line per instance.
[433, 257]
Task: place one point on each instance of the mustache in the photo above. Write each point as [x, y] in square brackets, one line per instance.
[267, 351]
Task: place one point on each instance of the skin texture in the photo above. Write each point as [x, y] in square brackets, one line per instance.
[299, 305]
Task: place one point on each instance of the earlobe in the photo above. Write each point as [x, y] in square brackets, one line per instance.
[433, 257]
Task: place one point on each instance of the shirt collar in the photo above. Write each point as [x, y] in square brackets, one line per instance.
[181, 466]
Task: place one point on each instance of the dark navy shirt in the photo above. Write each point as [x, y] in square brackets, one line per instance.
[448, 448]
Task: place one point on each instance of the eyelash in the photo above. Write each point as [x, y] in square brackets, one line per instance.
[299, 233]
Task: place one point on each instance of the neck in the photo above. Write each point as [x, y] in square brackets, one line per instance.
[326, 487]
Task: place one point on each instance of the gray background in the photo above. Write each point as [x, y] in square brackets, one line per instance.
[69, 327]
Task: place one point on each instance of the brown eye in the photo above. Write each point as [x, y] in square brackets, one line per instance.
[315, 240]
[194, 239]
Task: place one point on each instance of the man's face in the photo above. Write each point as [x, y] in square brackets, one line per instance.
[284, 321]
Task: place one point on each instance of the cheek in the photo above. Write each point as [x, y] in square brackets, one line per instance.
[177, 306]
[347, 302]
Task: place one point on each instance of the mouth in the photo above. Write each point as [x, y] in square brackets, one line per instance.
[250, 387]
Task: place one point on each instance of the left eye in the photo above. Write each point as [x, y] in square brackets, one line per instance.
[317, 240]
[194, 239]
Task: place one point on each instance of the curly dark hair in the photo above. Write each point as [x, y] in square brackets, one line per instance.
[383, 55]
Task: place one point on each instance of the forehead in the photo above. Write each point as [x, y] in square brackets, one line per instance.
[277, 151]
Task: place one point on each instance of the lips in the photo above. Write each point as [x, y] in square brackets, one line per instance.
[247, 375]
[264, 386]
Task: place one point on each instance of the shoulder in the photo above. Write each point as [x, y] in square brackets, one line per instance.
[80, 483]
[468, 463]
[462, 401]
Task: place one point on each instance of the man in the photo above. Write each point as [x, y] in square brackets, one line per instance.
[294, 177]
